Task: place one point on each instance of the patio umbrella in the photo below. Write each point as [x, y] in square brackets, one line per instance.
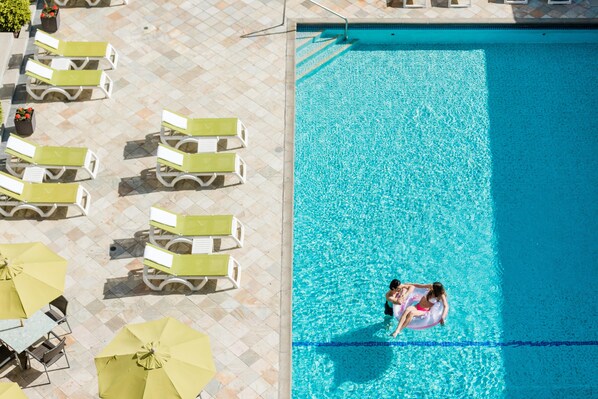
[11, 390]
[154, 360]
[31, 276]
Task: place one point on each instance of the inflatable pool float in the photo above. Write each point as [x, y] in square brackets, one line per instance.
[430, 319]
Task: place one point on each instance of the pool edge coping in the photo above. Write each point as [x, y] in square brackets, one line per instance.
[286, 281]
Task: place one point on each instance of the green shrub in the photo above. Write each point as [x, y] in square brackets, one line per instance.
[1, 117]
[13, 15]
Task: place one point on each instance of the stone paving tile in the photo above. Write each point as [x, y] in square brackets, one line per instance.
[189, 57]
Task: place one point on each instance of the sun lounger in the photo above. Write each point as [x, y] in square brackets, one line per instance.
[17, 194]
[55, 160]
[49, 47]
[177, 130]
[175, 165]
[90, 3]
[172, 227]
[169, 267]
[47, 79]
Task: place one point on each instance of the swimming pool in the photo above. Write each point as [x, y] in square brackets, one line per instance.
[466, 156]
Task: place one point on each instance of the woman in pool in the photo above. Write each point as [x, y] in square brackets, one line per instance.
[435, 294]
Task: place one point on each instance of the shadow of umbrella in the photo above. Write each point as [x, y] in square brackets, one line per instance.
[353, 354]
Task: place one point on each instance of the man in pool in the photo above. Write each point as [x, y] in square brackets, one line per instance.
[396, 294]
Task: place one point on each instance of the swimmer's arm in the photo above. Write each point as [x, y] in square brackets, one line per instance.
[393, 299]
[446, 309]
[428, 286]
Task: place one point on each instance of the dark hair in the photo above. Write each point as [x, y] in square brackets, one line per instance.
[437, 289]
[394, 284]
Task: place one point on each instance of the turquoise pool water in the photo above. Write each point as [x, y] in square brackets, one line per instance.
[473, 164]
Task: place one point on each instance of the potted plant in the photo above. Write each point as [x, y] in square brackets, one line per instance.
[50, 17]
[14, 14]
[25, 121]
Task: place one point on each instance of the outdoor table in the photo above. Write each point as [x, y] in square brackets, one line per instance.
[20, 338]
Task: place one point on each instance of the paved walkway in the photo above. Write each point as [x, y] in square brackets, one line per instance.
[193, 59]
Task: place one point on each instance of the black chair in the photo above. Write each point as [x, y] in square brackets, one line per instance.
[48, 353]
[6, 356]
[59, 313]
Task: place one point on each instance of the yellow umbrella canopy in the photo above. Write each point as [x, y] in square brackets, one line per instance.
[11, 390]
[31, 276]
[158, 359]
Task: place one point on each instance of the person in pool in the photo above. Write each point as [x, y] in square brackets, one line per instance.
[396, 294]
[435, 294]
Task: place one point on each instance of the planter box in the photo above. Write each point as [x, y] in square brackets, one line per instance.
[25, 127]
[51, 25]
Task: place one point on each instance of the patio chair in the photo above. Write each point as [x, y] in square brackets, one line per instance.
[174, 227]
[175, 165]
[17, 194]
[47, 353]
[46, 79]
[7, 356]
[178, 130]
[90, 3]
[57, 311]
[24, 153]
[49, 47]
[169, 267]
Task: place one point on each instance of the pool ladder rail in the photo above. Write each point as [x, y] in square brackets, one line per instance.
[314, 50]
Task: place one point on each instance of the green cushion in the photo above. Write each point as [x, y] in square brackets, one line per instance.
[204, 163]
[195, 225]
[55, 193]
[76, 49]
[76, 78]
[194, 265]
[60, 156]
[207, 127]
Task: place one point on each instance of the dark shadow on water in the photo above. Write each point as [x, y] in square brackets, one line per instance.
[545, 196]
[349, 360]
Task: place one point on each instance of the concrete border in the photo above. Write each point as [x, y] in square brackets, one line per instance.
[286, 281]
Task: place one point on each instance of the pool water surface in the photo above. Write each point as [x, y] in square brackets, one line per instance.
[473, 164]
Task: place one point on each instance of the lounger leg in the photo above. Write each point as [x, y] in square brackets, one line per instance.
[10, 168]
[52, 89]
[161, 178]
[177, 240]
[54, 176]
[30, 89]
[35, 209]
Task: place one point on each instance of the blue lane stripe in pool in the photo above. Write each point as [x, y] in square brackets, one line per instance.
[448, 343]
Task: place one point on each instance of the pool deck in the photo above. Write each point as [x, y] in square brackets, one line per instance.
[222, 58]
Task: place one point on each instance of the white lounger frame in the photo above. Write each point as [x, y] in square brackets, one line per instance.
[169, 219]
[42, 54]
[82, 203]
[34, 84]
[165, 259]
[179, 139]
[90, 165]
[169, 176]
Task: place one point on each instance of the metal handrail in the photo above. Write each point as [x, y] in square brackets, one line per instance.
[338, 15]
